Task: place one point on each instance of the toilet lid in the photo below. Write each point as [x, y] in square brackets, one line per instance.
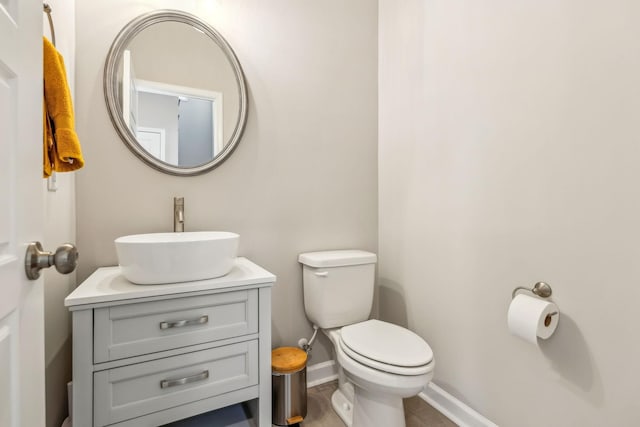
[387, 344]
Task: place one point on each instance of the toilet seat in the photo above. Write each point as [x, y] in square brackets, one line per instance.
[386, 347]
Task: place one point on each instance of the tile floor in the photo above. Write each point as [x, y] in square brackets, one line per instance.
[418, 413]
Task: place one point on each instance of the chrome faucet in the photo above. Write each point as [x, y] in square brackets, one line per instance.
[178, 214]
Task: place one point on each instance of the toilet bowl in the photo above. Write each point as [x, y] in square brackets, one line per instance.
[375, 398]
[379, 363]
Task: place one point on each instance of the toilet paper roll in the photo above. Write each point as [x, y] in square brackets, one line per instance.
[530, 318]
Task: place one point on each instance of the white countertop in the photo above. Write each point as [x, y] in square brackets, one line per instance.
[108, 284]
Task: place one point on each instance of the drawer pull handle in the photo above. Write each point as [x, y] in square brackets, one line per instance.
[186, 380]
[181, 323]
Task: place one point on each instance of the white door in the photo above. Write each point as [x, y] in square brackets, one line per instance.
[21, 214]
[153, 140]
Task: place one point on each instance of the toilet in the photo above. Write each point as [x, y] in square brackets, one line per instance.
[379, 363]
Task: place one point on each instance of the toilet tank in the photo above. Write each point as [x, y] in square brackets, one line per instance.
[338, 286]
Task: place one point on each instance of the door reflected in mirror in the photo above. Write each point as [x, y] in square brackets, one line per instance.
[175, 92]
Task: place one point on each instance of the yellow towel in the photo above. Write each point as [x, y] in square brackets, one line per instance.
[62, 151]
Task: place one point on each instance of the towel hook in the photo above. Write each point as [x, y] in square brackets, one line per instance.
[47, 10]
[52, 184]
[541, 289]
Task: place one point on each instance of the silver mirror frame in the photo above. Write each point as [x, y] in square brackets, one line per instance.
[110, 85]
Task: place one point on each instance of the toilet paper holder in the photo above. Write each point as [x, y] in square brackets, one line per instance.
[540, 289]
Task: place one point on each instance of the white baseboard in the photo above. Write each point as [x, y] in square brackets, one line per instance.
[452, 408]
[321, 373]
[448, 405]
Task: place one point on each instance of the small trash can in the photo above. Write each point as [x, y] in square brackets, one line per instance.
[288, 385]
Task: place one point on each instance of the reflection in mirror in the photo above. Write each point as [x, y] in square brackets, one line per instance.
[175, 92]
[179, 125]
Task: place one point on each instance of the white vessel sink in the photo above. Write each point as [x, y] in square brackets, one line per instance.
[158, 258]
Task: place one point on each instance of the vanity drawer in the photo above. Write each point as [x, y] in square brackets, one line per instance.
[135, 390]
[135, 329]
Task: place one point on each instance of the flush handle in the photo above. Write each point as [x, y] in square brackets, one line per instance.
[321, 273]
[65, 259]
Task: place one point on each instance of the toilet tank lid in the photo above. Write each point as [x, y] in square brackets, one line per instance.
[337, 258]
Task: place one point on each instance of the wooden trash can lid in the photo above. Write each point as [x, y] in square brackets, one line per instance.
[288, 359]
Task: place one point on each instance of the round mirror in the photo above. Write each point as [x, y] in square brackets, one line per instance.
[175, 92]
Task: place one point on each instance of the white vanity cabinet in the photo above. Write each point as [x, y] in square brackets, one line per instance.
[147, 355]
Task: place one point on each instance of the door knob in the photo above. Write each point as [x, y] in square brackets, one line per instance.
[65, 259]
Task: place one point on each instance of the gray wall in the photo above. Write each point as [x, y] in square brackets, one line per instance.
[196, 132]
[161, 112]
[508, 149]
[304, 175]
